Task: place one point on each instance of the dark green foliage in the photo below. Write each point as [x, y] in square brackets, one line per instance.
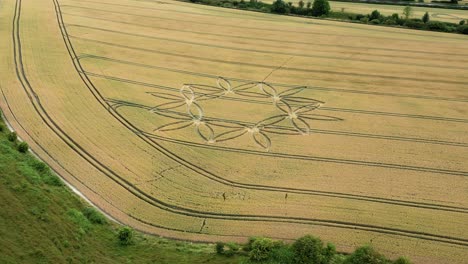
[309, 5]
[231, 249]
[366, 255]
[262, 248]
[301, 4]
[426, 17]
[307, 249]
[2, 127]
[280, 7]
[320, 8]
[374, 15]
[94, 216]
[437, 26]
[12, 136]
[414, 24]
[375, 21]
[463, 29]
[125, 236]
[462, 22]
[219, 247]
[23, 147]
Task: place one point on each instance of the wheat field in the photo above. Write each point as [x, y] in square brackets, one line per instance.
[210, 124]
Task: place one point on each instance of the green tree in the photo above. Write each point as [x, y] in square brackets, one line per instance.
[125, 235]
[280, 7]
[262, 249]
[309, 5]
[374, 15]
[366, 255]
[301, 4]
[407, 12]
[425, 18]
[307, 249]
[320, 8]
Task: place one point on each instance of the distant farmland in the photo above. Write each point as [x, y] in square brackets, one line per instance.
[210, 124]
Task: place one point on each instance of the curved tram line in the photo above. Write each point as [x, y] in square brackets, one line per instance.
[269, 39]
[152, 200]
[351, 74]
[80, 70]
[299, 55]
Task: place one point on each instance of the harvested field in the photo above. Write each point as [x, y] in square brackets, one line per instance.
[439, 14]
[209, 124]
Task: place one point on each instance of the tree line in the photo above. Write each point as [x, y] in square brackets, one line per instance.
[321, 8]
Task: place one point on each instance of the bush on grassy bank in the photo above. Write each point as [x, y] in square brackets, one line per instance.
[305, 250]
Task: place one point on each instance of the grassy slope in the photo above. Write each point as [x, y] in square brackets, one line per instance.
[36, 225]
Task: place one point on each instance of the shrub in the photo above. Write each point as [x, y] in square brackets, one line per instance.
[280, 7]
[94, 216]
[375, 21]
[463, 29]
[125, 235]
[262, 249]
[320, 8]
[462, 22]
[219, 247]
[307, 249]
[374, 15]
[365, 20]
[2, 128]
[366, 255]
[414, 24]
[360, 16]
[12, 136]
[23, 147]
[437, 26]
[390, 21]
[232, 249]
[282, 254]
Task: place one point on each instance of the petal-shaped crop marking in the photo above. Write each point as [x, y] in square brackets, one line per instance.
[252, 94]
[283, 106]
[187, 93]
[227, 124]
[207, 88]
[231, 134]
[245, 86]
[301, 100]
[306, 108]
[166, 96]
[271, 121]
[262, 140]
[267, 89]
[321, 117]
[167, 106]
[223, 83]
[205, 131]
[173, 126]
[292, 91]
[301, 126]
[195, 111]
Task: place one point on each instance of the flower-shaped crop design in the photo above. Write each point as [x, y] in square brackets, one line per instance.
[294, 111]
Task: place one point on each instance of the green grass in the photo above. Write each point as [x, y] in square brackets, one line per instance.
[42, 221]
